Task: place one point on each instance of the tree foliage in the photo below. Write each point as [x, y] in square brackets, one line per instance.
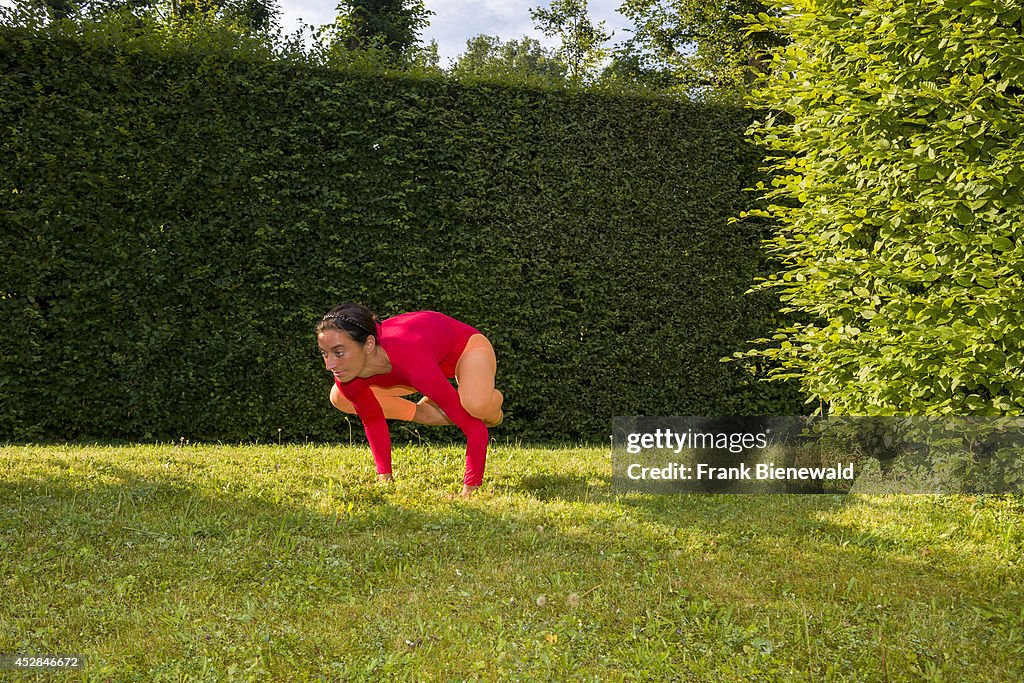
[489, 56]
[258, 16]
[389, 28]
[897, 128]
[582, 48]
[700, 48]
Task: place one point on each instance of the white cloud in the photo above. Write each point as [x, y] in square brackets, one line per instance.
[311, 12]
[455, 21]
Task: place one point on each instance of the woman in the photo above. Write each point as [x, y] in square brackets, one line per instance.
[376, 363]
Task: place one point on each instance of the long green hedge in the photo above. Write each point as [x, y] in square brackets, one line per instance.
[174, 222]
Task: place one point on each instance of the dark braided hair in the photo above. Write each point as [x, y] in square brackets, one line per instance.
[355, 320]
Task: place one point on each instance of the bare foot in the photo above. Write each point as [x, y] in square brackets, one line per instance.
[429, 413]
[382, 478]
[467, 492]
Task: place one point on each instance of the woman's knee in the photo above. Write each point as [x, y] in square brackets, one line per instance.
[340, 402]
[481, 405]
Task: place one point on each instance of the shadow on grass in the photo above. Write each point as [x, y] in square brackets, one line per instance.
[548, 487]
[781, 526]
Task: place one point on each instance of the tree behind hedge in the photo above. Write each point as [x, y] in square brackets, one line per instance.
[389, 28]
[700, 49]
[490, 56]
[258, 16]
[898, 128]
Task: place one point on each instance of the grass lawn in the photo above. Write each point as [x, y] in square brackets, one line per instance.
[288, 563]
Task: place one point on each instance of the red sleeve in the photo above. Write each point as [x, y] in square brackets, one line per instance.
[376, 426]
[432, 383]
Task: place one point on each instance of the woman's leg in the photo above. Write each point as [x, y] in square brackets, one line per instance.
[395, 407]
[475, 376]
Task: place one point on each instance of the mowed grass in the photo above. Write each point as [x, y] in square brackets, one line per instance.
[289, 563]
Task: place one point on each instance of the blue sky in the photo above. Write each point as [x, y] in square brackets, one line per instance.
[454, 21]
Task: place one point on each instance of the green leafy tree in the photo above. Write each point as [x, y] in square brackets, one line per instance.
[490, 56]
[700, 48]
[254, 15]
[72, 9]
[259, 16]
[895, 128]
[59, 9]
[583, 42]
[426, 57]
[389, 29]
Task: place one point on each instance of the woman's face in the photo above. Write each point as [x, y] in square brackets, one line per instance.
[342, 355]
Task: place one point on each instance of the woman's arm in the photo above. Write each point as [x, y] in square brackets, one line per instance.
[376, 426]
[432, 383]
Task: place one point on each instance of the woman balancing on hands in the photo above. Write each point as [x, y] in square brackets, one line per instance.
[376, 363]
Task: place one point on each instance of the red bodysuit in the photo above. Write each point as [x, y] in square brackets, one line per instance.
[423, 347]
